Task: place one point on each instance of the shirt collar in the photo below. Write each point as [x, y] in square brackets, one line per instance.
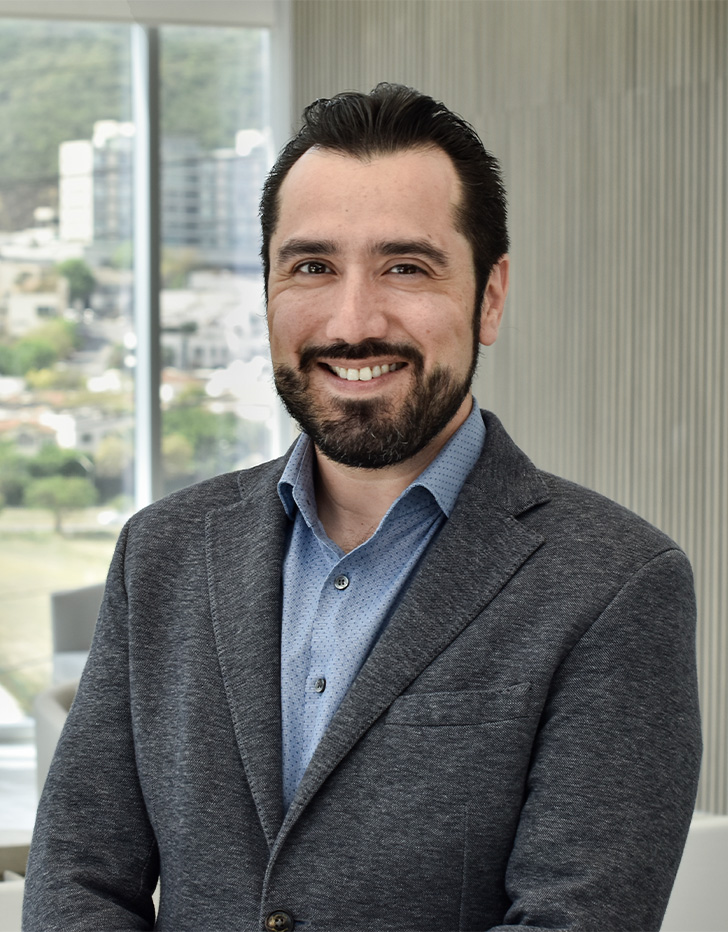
[443, 478]
[445, 475]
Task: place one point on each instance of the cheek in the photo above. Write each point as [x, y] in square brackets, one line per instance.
[286, 325]
[448, 333]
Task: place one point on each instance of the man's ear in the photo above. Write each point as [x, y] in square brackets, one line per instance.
[494, 301]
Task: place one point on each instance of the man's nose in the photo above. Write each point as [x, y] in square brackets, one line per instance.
[356, 312]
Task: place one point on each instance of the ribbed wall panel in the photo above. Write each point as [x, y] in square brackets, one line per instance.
[611, 120]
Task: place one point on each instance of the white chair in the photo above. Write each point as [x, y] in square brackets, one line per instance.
[699, 901]
[11, 903]
[73, 619]
[13, 857]
[51, 708]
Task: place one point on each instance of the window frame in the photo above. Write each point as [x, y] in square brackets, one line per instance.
[145, 17]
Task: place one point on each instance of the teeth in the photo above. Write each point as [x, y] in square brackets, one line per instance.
[366, 374]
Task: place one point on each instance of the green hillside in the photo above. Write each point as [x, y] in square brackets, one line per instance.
[57, 79]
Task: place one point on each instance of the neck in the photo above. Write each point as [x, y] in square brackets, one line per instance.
[351, 501]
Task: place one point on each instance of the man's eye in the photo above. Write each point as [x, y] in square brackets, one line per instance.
[404, 268]
[313, 268]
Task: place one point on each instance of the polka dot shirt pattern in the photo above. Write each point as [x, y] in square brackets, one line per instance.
[335, 605]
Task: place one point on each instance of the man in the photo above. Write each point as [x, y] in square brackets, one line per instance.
[400, 679]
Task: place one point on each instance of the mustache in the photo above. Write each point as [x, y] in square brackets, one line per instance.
[367, 348]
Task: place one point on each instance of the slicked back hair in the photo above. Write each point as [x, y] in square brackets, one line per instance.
[395, 118]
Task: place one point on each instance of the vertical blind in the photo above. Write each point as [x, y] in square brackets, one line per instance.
[611, 122]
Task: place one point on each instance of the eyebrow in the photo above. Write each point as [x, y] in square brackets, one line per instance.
[411, 247]
[295, 248]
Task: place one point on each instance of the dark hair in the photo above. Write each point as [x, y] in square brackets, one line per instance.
[390, 119]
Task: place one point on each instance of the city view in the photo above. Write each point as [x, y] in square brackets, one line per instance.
[67, 339]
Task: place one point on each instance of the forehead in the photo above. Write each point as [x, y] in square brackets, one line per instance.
[415, 189]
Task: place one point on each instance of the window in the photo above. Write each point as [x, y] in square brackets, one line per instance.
[94, 418]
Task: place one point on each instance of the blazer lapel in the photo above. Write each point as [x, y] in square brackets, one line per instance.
[482, 541]
[244, 550]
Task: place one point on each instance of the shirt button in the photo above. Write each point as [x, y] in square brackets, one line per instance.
[279, 921]
[319, 684]
[341, 582]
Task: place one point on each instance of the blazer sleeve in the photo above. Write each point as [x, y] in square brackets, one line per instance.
[614, 772]
[93, 860]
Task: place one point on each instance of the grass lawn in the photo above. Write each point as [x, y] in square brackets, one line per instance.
[35, 561]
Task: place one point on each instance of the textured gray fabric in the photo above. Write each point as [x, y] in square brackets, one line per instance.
[521, 747]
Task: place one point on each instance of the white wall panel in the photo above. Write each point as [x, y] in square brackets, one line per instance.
[610, 119]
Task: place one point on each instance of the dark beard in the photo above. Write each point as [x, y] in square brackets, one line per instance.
[370, 433]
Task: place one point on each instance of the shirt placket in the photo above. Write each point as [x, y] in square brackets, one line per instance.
[323, 684]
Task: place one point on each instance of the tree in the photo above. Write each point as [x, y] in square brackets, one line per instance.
[14, 474]
[80, 278]
[177, 456]
[213, 437]
[40, 348]
[114, 456]
[178, 462]
[60, 494]
[43, 380]
[52, 460]
[7, 360]
[32, 353]
[63, 335]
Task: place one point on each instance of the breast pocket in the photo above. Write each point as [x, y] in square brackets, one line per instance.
[463, 707]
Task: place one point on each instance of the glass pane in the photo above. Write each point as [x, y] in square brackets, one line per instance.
[219, 410]
[66, 386]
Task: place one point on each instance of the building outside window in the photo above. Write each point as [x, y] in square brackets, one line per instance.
[69, 328]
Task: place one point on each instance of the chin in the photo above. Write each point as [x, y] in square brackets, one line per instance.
[373, 433]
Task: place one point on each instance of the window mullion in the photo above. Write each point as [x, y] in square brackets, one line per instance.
[147, 188]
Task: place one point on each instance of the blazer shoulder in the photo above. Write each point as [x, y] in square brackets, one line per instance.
[598, 524]
[561, 511]
[193, 503]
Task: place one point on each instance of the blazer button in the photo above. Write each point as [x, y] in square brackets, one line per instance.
[279, 921]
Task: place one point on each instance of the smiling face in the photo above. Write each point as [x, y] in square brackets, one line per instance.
[371, 304]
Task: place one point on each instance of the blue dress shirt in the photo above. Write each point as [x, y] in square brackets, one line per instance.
[336, 604]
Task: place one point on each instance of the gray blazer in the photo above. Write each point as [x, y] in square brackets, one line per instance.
[521, 747]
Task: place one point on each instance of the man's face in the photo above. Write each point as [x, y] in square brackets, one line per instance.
[373, 329]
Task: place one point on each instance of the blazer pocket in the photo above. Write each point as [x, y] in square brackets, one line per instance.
[464, 707]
